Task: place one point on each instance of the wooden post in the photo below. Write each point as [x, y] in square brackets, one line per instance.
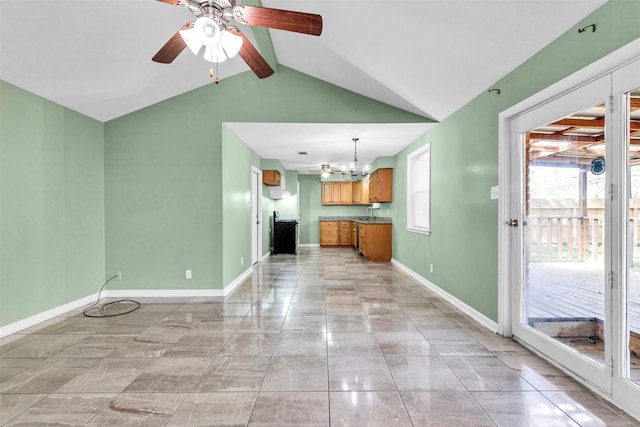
[570, 239]
[549, 238]
[582, 212]
[584, 238]
[595, 237]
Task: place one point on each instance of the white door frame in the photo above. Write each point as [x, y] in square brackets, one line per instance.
[507, 189]
[622, 392]
[256, 215]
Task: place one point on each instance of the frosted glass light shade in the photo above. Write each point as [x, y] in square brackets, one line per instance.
[214, 53]
[190, 39]
[230, 43]
[207, 31]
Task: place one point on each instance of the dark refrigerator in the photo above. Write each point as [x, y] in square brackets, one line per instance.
[285, 235]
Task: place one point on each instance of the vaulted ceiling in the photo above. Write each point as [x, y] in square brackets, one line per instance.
[428, 57]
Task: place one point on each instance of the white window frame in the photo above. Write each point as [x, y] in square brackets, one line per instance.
[419, 171]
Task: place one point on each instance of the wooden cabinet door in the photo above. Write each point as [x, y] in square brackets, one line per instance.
[335, 193]
[271, 177]
[362, 244]
[373, 187]
[385, 185]
[360, 192]
[327, 193]
[377, 242]
[346, 193]
[381, 185]
[345, 233]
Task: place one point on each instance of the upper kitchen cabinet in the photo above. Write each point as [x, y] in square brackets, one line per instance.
[360, 191]
[381, 185]
[337, 193]
[271, 177]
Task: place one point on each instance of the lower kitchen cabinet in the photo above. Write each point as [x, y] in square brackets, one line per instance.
[344, 230]
[329, 235]
[375, 242]
[336, 233]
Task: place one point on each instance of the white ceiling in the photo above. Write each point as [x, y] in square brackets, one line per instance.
[429, 57]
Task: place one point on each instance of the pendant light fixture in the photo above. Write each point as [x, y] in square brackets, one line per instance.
[353, 174]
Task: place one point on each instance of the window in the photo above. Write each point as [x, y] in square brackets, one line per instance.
[419, 190]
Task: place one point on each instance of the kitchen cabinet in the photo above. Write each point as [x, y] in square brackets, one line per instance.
[381, 185]
[328, 196]
[344, 231]
[375, 242]
[271, 177]
[335, 233]
[360, 192]
[336, 193]
[329, 233]
[347, 192]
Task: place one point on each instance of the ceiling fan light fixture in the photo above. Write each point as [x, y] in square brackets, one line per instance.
[207, 31]
[190, 39]
[231, 43]
[325, 174]
[214, 53]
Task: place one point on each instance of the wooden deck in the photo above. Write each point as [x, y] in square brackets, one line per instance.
[575, 290]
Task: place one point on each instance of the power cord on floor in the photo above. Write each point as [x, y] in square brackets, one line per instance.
[102, 308]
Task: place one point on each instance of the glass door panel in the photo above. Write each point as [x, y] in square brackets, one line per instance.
[633, 240]
[564, 234]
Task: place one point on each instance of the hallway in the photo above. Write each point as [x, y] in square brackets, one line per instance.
[322, 338]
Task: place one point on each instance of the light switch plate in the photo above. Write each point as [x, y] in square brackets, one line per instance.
[494, 192]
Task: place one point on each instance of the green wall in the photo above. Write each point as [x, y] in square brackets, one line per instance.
[236, 204]
[463, 245]
[165, 174]
[52, 211]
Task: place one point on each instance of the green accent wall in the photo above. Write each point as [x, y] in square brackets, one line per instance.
[236, 204]
[52, 205]
[463, 245]
[167, 173]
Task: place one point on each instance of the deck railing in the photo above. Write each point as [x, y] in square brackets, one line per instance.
[572, 238]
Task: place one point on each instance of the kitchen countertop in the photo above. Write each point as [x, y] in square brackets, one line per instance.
[359, 219]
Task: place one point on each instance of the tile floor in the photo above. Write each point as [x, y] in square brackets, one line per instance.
[323, 338]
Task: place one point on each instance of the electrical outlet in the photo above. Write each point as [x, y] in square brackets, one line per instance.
[118, 275]
[187, 274]
[431, 268]
[241, 260]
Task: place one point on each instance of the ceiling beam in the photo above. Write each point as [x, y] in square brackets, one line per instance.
[263, 38]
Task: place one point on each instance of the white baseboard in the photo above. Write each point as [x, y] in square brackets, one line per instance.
[15, 327]
[468, 310]
[237, 281]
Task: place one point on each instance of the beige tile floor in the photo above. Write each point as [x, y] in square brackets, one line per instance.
[323, 338]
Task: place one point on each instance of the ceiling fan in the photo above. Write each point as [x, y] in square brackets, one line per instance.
[325, 170]
[220, 40]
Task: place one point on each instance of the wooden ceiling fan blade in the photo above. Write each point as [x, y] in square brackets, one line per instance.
[173, 2]
[172, 48]
[288, 20]
[251, 56]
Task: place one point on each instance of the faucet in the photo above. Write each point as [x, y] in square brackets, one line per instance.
[370, 209]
